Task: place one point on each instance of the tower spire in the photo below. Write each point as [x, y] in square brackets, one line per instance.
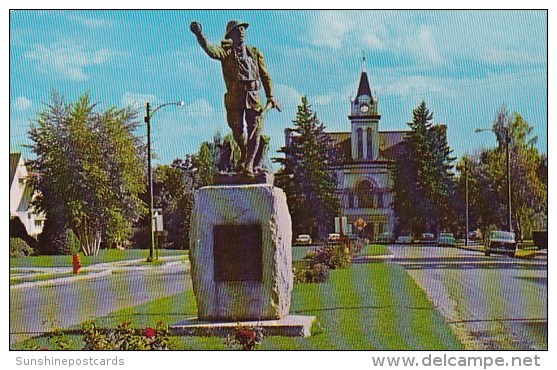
[363, 60]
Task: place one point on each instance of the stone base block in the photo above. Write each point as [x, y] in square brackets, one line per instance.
[240, 253]
[289, 326]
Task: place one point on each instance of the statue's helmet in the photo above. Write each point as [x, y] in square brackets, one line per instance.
[232, 25]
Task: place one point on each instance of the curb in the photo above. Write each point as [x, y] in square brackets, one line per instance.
[60, 281]
[479, 249]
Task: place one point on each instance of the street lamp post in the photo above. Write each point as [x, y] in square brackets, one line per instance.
[148, 116]
[508, 164]
[467, 207]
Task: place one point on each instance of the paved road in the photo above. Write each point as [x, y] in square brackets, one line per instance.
[494, 302]
[37, 309]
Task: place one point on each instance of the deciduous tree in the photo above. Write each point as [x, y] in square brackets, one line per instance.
[91, 169]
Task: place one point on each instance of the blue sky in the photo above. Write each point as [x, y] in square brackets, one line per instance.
[464, 64]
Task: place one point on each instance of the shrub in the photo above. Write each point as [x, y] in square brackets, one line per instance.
[333, 256]
[72, 243]
[245, 338]
[57, 238]
[19, 248]
[314, 273]
[56, 340]
[126, 338]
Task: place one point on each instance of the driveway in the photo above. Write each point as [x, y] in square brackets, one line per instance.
[493, 303]
[36, 309]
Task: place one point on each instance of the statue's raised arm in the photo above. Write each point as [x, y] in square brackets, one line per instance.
[212, 50]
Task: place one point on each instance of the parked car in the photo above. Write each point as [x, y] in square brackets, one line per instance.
[501, 242]
[385, 238]
[473, 235]
[427, 238]
[404, 239]
[446, 240]
[303, 239]
[333, 238]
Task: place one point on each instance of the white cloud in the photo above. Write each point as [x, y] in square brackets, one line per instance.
[510, 56]
[337, 29]
[68, 59]
[22, 103]
[137, 100]
[425, 49]
[329, 29]
[201, 112]
[288, 96]
[413, 86]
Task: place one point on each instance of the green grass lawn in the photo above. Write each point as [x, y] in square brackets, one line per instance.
[525, 254]
[105, 255]
[371, 306]
[375, 250]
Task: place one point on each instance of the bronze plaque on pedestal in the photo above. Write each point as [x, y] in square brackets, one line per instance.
[237, 252]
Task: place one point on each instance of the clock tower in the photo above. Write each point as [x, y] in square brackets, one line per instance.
[364, 118]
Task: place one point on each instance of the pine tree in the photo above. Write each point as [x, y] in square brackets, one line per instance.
[423, 177]
[306, 174]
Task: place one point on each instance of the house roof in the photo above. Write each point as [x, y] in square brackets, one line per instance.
[342, 142]
[14, 162]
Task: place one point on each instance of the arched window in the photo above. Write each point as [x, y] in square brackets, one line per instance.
[365, 196]
[369, 144]
[360, 143]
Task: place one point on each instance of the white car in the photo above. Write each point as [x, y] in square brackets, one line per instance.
[404, 239]
[446, 239]
[303, 239]
[333, 238]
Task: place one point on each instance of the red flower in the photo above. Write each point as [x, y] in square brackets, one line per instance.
[149, 332]
[246, 335]
[44, 349]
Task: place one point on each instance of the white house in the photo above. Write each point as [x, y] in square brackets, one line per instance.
[21, 195]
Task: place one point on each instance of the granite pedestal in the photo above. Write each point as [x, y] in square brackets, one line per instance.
[240, 253]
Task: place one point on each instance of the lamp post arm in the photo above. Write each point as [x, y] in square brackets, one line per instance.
[151, 114]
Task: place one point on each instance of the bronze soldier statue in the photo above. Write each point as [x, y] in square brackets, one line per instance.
[244, 72]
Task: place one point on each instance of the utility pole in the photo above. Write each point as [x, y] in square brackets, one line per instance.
[150, 179]
[508, 153]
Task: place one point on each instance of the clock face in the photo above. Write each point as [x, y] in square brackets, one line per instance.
[364, 108]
